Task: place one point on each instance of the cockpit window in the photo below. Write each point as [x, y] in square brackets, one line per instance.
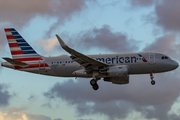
[165, 57]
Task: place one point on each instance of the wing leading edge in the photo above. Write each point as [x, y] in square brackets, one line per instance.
[90, 64]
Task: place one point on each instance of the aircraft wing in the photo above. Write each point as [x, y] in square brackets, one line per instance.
[85, 61]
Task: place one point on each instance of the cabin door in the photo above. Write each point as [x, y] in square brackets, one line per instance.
[151, 58]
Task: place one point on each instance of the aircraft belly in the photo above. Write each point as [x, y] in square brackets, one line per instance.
[47, 71]
[141, 68]
[64, 71]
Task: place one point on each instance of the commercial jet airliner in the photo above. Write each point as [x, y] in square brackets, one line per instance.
[114, 68]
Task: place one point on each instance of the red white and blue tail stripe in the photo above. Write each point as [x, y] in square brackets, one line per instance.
[25, 58]
[20, 49]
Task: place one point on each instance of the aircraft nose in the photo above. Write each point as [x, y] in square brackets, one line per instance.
[175, 64]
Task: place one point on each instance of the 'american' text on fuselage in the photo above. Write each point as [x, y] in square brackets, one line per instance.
[118, 59]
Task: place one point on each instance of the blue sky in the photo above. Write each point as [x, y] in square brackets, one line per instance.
[90, 26]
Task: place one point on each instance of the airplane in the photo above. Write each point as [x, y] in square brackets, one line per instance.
[114, 68]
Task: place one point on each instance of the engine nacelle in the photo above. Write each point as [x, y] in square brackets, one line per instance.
[118, 80]
[118, 71]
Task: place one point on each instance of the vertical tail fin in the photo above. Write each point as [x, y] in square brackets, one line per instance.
[20, 49]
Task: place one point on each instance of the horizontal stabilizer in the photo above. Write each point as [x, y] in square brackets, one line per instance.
[15, 62]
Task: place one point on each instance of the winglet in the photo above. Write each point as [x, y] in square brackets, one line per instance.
[61, 41]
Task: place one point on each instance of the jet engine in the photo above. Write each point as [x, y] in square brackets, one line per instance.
[118, 74]
[118, 71]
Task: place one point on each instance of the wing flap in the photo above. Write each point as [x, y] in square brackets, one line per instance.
[15, 62]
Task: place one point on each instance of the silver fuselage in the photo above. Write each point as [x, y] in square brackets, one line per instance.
[63, 66]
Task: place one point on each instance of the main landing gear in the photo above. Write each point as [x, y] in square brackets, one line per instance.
[94, 84]
[152, 81]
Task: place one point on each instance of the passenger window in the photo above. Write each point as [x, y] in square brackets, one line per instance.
[162, 57]
[66, 61]
[60, 62]
[57, 62]
[166, 57]
[52, 62]
[69, 61]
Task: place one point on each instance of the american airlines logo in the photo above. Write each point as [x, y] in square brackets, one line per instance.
[117, 59]
[143, 59]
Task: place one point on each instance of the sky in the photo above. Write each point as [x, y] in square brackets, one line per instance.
[91, 27]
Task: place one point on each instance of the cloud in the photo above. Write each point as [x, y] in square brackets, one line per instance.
[32, 97]
[17, 114]
[84, 119]
[119, 101]
[20, 12]
[100, 38]
[0, 65]
[58, 119]
[48, 45]
[167, 13]
[4, 95]
[141, 2]
[105, 38]
[3, 40]
[11, 110]
[47, 105]
[114, 101]
[166, 44]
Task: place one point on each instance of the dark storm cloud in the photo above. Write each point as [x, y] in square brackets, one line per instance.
[105, 38]
[4, 95]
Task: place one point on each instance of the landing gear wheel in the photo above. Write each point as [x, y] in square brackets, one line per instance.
[93, 82]
[95, 86]
[153, 82]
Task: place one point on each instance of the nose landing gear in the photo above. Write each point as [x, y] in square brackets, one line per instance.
[94, 84]
[152, 81]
